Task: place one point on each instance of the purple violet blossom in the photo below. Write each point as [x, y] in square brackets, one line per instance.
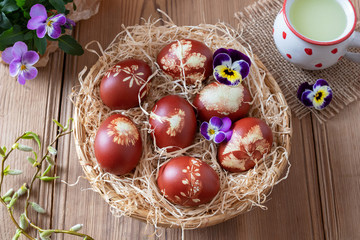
[69, 24]
[43, 24]
[21, 62]
[230, 66]
[218, 129]
[318, 95]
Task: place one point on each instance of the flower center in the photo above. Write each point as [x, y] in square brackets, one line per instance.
[49, 23]
[211, 131]
[23, 67]
[318, 96]
[229, 72]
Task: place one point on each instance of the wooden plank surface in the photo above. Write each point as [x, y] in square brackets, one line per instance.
[319, 200]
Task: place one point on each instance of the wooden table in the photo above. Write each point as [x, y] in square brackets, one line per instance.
[319, 200]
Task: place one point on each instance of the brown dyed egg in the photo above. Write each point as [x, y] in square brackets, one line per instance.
[188, 181]
[220, 100]
[120, 87]
[173, 122]
[186, 56]
[118, 145]
[251, 139]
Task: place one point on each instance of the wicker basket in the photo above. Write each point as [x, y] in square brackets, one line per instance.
[136, 194]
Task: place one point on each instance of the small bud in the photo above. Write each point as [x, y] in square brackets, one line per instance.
[14, 172]
[76, 228]
[15, 146]
[7, 199]
[47, 179]
[9, 193]
[50, 160]
[52, 150]
[13, 200]
[47, 170]
[37, 207]
[17, 235]
[31, 160]
[46, 234]
[2, 153]
[22, 190]
[24, 148]
[23, 222]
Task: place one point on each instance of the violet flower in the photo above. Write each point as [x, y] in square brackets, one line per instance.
[218, 129]
[43, 24]
[318, 95]
[230, 66]
[21, 62]
[69, 24]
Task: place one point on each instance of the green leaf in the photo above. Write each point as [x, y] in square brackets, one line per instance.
[4, 21]
[59, 5]
[50, 160]
[52, 150]
[7, 199]
[10, 36]
[68, 124]
[40, 44]
[76, 228]
[47, 170]
[31, 160]
[15, 145]
[17, 235]
[32, 135]
[2, 153]
[29, 35]
[70, 45]
[47, 179]
[24, 148]
[58, 124]
[37, 207]
[9, 6]
[13, 200]
[14, 172]
[4, 149]
[74, 6]
[6, 170]
[20, 3]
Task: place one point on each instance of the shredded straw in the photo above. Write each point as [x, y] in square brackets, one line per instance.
[136, 194]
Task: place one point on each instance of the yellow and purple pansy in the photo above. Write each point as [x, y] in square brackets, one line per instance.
[230, 66]
[217, 129]
[318, 95]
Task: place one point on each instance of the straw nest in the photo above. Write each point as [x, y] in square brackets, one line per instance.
[136, 194]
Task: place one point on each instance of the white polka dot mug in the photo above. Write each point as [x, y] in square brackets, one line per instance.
[313, 54]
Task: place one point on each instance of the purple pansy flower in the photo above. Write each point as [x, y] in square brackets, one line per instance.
[218, 129]
[21, 62]
[318, 95]
[230, 66]
[69, 24]
[43, 24]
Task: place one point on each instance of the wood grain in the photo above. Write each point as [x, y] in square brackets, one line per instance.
[319, 200]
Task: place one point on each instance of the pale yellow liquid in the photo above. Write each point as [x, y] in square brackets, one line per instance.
[320, 20]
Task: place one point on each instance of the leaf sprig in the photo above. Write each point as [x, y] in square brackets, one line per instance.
[11, 198]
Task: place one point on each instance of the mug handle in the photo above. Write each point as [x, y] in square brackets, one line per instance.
[355, 57]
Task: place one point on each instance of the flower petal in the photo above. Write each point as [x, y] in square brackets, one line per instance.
[38, 10]
[237, 55]
[41, 31]
[54, 31]
[204, 130]
[21, 79]
[59, 19]
[307, 98]
[220, 50]
[319, 83]
[30, 58]
[30, 73]
[322, 97]
[7, 55]
[242, 67]
[222, 59]
[216, 123]
[226, 124]
[69, 23]
[19, 49]
[228, 135]
[219, 137]
[302, 89]
[221, 74]
[14, 67]
[35, 23]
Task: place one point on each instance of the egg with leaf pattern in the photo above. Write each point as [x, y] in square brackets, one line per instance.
[188, 181]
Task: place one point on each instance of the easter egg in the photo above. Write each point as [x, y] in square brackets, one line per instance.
[220, 100]
[118, 145]
[120, 87]
[173, 122]
[188, 181]
[186, 57]
[251, 140]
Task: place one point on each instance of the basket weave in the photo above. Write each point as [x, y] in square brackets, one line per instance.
[136, 194]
